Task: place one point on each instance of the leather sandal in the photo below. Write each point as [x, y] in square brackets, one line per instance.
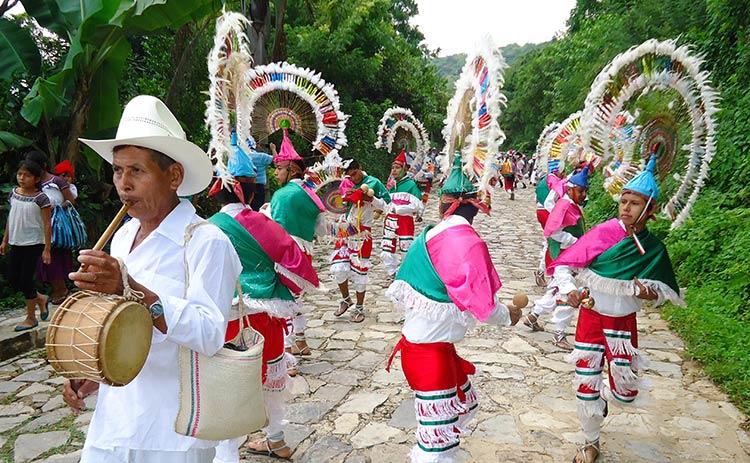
[532, 321]
[358, 314]
[269, 451]
[344, 305]
[584, 453]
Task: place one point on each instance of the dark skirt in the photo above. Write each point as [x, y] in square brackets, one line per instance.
[61, 266]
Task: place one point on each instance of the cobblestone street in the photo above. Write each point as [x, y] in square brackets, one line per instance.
[347, 408]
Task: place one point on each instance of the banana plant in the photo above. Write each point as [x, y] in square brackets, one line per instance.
[83, 91]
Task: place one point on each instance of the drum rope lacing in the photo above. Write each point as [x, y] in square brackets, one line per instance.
[88, 371]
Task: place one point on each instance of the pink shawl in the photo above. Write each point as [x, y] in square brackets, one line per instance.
[463, 262]
[280, 247]
[590, 245]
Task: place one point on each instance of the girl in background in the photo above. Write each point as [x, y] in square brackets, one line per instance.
[58, 191]
[28, 235]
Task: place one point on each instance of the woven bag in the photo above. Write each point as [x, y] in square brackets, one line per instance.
[221, 397]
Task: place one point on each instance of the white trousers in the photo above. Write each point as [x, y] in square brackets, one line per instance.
[123, 455]
[561, 314]
[391, 261]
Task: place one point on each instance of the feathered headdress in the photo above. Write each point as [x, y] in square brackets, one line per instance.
[228, 61]
[656, 65]
[400, 127]
[284, 96]
[472, 126]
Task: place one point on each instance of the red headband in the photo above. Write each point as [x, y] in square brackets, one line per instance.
[236, 188]
[473, 201]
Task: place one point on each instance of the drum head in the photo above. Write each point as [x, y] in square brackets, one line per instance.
[331, 197]
[125, 342]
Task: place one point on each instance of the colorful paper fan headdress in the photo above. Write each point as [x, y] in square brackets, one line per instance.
[472, 126]
[284, 96]
[656, 65]
[564, 148]
[399, 129]
[542, 147]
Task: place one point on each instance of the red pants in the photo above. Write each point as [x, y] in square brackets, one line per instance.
[358, 260]
[600, 337]
[433, 366]
[508, 183]
[271, 328]
[541, 216]
[398, 233]
[444, 398]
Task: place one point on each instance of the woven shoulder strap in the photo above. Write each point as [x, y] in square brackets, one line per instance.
[189, 232]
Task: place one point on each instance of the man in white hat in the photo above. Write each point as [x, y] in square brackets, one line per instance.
[153, 163]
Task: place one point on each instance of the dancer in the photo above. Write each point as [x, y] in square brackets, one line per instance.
[507, 170]
[406, 204]
[622, 264]
[446, 280]
[273, 269]
[298, 210]
[351, 257]
[563, 227]
[550, 188]
[425, 177]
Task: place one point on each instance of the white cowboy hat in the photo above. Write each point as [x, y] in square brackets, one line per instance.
[147, 122]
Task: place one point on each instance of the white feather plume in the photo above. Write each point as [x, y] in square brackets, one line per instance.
[225, 71]
[488, 138]
[688, 80]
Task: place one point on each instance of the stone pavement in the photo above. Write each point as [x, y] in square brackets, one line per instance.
[346, 408]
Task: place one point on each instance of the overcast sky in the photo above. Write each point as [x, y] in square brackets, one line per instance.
[455, 26]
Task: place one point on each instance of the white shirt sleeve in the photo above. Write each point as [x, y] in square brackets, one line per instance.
[265, 209]
[199, 320]
[500, 316]
[565, 239]
[378, 204]
[564, 280]
[414, 207]
[550, 200]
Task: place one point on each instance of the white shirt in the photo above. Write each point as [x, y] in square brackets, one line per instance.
[420, 329]
[363, 215]
[25, 220]
[414, 206]
[234, 209]
[604, 303]
[141, 414]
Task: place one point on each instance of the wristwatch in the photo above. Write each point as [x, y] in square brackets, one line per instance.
[156, 309]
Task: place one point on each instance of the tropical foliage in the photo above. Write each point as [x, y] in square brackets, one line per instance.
[67, 68]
